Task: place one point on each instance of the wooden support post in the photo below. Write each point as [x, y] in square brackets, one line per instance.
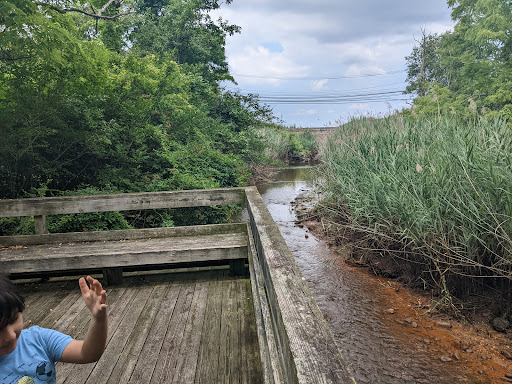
[237, 267]
[113, 276]
[40, 225]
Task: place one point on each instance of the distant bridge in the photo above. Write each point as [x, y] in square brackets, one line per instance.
[316, 129]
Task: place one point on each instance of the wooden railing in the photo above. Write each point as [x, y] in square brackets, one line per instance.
[296, 345]
[39, 208]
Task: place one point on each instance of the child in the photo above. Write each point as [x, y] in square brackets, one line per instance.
[28, 355]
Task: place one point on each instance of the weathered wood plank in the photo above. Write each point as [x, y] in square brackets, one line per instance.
[40, 224]
[37, 313]
[123, 234]
[131, 351]
[225, 373]
[105, 366]
[38, 294]
[251, 367]
[120, 202]
[60, 309]
[98, 255]
[234, 351]
[166, 365]
[187, 360]
[146, 365]
[307, 348]
[209, 350]
[272, 368]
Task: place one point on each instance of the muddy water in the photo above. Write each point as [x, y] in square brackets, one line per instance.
[378, 346]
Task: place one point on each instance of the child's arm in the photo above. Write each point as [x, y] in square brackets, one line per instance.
[91, 348]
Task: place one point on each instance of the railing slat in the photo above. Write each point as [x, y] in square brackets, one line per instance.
[120, 202]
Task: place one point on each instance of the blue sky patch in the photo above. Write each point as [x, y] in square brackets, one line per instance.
[273, 46]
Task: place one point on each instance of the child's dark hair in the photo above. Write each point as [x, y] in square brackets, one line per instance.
[11, 302]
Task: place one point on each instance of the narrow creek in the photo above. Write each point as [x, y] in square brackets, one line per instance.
[377, 345]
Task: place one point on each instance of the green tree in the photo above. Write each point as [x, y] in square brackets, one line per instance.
[472, 62]
[185, 32]
[423, 65]
[118, 96]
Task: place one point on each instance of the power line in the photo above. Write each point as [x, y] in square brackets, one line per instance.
[317, 77]
[347, 98]
[313, 93]
[338, 102]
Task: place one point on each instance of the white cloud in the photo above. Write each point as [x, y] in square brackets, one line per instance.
[364, 70]
[264, 66]
[318, 85]
[359, 107]
[306, 112]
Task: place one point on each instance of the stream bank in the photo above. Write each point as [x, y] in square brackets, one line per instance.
[385, 332]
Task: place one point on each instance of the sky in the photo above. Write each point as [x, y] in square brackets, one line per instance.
[318, 63]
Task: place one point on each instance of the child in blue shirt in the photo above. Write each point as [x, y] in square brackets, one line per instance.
[29, 355]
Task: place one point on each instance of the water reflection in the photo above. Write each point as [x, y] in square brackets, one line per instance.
[374, 347]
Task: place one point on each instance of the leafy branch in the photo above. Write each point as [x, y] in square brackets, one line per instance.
[95, 14]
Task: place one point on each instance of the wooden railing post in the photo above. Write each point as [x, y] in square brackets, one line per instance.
[40, 225]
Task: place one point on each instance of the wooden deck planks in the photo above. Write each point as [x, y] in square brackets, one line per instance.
[208, 360]
[145, 366]
[189, 351]
[119, 303]
[224, 373]
[76, 326]
[134, 344]
[249, 371]
[167, 328]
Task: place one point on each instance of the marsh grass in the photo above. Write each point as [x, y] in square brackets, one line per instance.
[435, 192]
[282, 144]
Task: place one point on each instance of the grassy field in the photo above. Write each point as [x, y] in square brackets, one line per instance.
[434, 194]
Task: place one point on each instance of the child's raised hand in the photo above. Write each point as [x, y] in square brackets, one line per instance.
[95, 297]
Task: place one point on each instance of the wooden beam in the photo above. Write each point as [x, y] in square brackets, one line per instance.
[99, 255]
[40, 225]
[124, 234]
[308, 351]
[120, 202]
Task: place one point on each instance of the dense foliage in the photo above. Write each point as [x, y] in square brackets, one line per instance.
[118, 96]
[434, 192]
[468, 70]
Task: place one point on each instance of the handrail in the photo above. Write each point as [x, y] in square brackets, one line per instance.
[120, 202]
[40, 207]
[304, 348]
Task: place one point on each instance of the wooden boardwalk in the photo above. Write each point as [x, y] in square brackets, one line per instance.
[171, 327]
[177, 327]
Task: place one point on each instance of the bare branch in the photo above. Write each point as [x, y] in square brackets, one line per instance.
[105, 6]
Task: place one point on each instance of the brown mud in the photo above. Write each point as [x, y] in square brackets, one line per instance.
[472, 344]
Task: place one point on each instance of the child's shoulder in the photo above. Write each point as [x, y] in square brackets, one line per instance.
[36, 331]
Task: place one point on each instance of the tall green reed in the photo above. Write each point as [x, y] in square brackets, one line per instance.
[439, 189]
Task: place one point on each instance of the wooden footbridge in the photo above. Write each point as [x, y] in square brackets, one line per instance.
[221, 303]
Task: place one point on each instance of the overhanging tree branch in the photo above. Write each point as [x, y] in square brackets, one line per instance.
[6, 56]
[97, 15]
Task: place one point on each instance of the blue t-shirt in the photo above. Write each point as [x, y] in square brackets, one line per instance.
[33, 360]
